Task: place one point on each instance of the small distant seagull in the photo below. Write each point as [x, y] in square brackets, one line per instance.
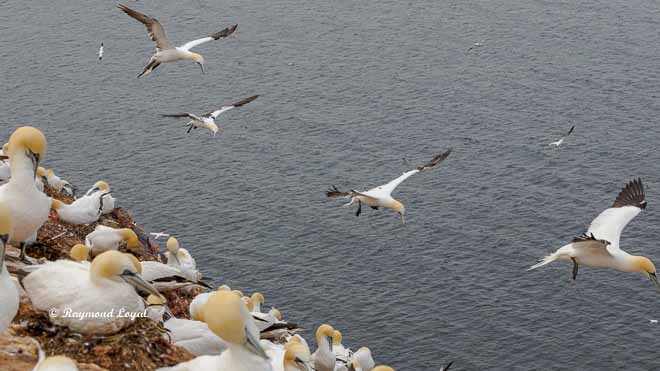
[382, 196]
[159, 235]
[207, 120]
[478, 44]
[654, 321]
[560, 141]
[165, 51]
[101, 52]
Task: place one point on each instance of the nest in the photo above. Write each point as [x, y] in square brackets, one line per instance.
[144, 345]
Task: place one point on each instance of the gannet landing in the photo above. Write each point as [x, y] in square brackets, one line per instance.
[165, 51]
[382, 196]
[599, 246]
[207, 120]
[560, 141]
[101, 52]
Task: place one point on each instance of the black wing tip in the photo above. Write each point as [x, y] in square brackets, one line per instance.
[632, 195]
[589, 237]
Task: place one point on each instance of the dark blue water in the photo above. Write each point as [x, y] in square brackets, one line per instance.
[347, 89]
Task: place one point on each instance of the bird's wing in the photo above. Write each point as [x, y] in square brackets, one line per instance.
[334, 192]
[241, 102]
[590, 242]
[569, 132]
[389, 187]
[154, 28]
[214, 36]
[182, 114]
[609, 224]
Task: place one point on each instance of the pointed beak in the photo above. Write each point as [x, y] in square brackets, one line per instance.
[4, 239]
[201, 65]
[403, 218]
[253, 345]
[35, 161]
[654, 279]
[138, 282]
[329, 342]
[302, 364]
[176, 258]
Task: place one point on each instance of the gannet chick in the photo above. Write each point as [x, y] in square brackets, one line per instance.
[181, 259]
[79, 212]
[381, 196]
[324, 358]
[109, 285]
[9, 296]
[598, 247]
[207, 120]
[58, 183]
[105, 238]
[362, 360]
[102, 188]
[28, 206]
[227, 317]
[57, 363]
[341, 353]
[165, 51]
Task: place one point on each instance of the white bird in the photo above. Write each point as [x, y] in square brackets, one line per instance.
[195, 336]
[342, 353]
[207, 120]
[105, 238]
[165, 51]
[324, 358]
[478, 44]
[381, 196]
[159, 235]
[28, 206]
[228, 317]
[56, 363]
[599, 246]
[362, 360]
[560, 141]
[9, 296]
[654, 321]
[181, 259]
[101, 52]
[110, 284]
[197, 304]
[82, 211]
[293, 356]
[102, 188]
[58, 183]
[5, 171]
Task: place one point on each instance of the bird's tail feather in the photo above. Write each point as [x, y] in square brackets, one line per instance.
[547, 260]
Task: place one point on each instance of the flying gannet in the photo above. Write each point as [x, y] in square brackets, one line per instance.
[478, 44]
[29, 207]
[207, 120]
[159, 235]
[110, 284]
[560, 141]
[598, 247]
[101, 52]
[381, 196]
[165, 51]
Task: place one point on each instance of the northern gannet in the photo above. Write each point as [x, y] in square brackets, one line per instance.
[257, 300]
[324, 358]
[80, 254]
[28, 206]
[9, 296]
[181, 259]
[197, 304]
[342, 353]
[362, 360]
[381, 196]
[165, 51]
[159, 235]
[478, 44]
[228, 317]
[598, 247]
[560, 141]
[110, 284]
[101, 52]
[207, 120]
[58, 183]
[105, 238]
[81, 211]
[102, 188]
[293, 356]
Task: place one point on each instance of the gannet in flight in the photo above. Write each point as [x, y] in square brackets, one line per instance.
[29, 207]
[599, 246]
[101, 52]
[207, 120]
[478, 44]
[165, 51]
[560, 141]
[382, 196]
[159, 235]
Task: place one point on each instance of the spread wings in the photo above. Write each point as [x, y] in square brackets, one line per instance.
[154, 28]
[214, 36]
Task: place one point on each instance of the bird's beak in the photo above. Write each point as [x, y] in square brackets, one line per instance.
[176, 258]
[35, 161]
[302, 364]
[329, 342]
[403, 218]
[201, 65]
[138, 282]
[253, 345]
[654, 278]
[4, 239]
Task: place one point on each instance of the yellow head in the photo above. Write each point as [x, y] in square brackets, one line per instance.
[42, 172]
[197, 58]
[276, 312]
[29, 141]
[102, 186]
[79, 253]
[156, 300]
[324, 331]
[645, 266]
[258, 297]
[382, 368]
[56, 204]
[130, 237]
[172, 245]
[49, 172]
[336, 337]
[400, 209]
[225, 315]
[116, 266]
[238, 293]
[296, 355]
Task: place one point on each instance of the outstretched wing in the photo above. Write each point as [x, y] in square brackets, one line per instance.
[334, 192]
[569, 132]
[589, 241]
[389, 187]
[154, 28]
[214, 36]
[241, 102]
[183, 114]
[609, 224]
